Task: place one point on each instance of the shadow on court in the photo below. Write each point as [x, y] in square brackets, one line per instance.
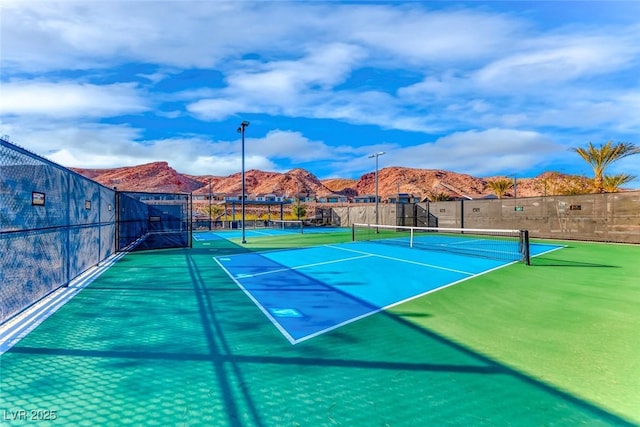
[550, 262]
[166, 337]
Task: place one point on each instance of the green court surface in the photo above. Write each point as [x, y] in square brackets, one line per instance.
[167, 338]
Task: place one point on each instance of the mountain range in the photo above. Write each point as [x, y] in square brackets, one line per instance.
[160, 177]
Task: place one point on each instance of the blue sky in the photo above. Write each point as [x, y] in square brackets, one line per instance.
[484, 88]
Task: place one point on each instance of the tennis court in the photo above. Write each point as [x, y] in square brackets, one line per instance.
[312, 329]
[264, 232]
[310, 291]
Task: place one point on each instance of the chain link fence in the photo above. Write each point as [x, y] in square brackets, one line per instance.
[153, 220]
[56, 224]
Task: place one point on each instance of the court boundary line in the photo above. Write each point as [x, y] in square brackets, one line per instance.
[249, 230]
[403, 260]
[294, 341]
[263, 232]
[362, 316]
[257, 304]
[280, 270]
[18, 327]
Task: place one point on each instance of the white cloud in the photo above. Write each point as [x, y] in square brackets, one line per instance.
[548, 80]
[112, 147]
[305, 50]
[293, 146]
[170, 114]
[363, 107]
[220, 165]
[154, 77]
[107, 146]
[91, 143]
[323, 67]
[416, 35]
[280, 87]
[624, 118]
[557, 60]
[537, 69]
[70, 99]
[479, 153]
[216, 109]
[462, 67]
[629, 165]
[76, 35]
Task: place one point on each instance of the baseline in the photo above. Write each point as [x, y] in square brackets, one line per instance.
[304, 299]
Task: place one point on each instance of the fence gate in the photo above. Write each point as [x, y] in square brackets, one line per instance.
[424, 218]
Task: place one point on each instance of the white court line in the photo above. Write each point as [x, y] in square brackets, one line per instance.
[403, 260]
[362, 316]
[22, 324]
[294, 341]
[304, 266]
[266, 312]
[370, 313]
[250, 230]
[263, 232]
[549, 251]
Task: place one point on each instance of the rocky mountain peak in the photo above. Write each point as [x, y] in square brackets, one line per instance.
[160, 177]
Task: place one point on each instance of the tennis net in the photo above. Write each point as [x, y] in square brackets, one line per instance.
[287, 225]
[504, 245]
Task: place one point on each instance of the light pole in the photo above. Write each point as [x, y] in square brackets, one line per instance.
[241, 128]
[298, 200]
[210, 214]
[376, 155]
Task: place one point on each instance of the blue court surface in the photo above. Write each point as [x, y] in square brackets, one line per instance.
[309, 291]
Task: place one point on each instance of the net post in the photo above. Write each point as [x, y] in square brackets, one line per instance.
[411, 239]
[353, 232]
[526, 255]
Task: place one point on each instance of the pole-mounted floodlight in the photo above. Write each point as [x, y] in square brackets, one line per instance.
[241, 128]
[376, 155]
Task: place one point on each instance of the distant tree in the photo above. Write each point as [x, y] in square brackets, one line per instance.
[543, 184]
[555, 183]
[500, 186]
[600, 157]
[612, 183]
[214, 212]
[576, 184]
[299, 210]
[435, 196]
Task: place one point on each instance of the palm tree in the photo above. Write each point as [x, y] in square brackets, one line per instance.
[612, 183]
[601, 157]
[500, 186]
[435, 196]
[213, 211]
